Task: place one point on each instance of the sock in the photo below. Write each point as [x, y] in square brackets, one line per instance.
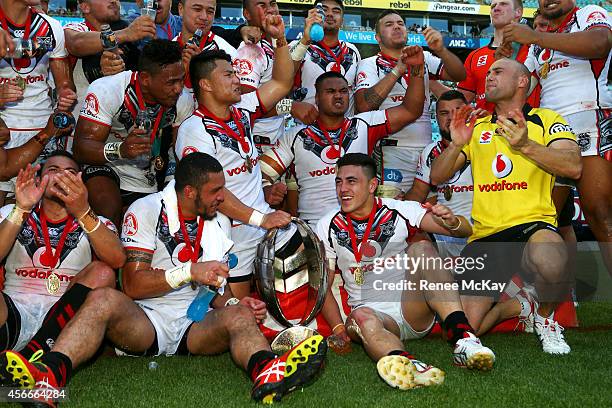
[258, 361]
[60, 365]
[456, 325]
[401, 353]
[58, 316]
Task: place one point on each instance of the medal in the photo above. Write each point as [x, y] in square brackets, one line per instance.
[248, 163]
[359, 275]
[448, 193]
[544, 70]
[20, 82]
[53, 283]
[358, 250]
[158, 163]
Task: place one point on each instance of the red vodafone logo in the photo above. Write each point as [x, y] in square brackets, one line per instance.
[501, 166]
[243, 67]
[130, 225]
[92, 106]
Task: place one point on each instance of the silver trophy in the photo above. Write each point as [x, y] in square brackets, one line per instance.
[306, 265]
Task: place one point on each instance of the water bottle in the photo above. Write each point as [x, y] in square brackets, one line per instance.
[316, 30]
[109, 39]
[27, 48]
[201, 303]
[197, 38]
[149, 10]
[143, 121]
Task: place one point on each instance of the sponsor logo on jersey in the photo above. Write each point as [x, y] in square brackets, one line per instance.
[508, 186]
[42, 274]
[596, 16]
[485, 137]
[501, 166]
[91, 105]
[482, 61]
[130, 225]
[324, 172]
[397, 98]
[545, 55]
[393, 175]
[243, 168]
[29, 79]
[243, 67]
[559, 127]
[455, 189]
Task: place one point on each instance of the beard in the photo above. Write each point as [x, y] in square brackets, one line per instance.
[445, 135]
[203, 210]
[553, 15]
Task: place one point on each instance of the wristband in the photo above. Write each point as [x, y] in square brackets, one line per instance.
[448, 227]
[18, 215]
[179, 276]
[336, 326]
[232, 301]
[283, 106]
[256, 218]
[112, 151]
[298, 52]
[87, 217]
[395, 71]
[291, 184]
[40, 140]
[265, 182]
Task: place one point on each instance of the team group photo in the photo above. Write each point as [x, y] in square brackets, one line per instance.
[358, 203]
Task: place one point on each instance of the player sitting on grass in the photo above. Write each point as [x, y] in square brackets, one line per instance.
[181, 242]
[388, 301]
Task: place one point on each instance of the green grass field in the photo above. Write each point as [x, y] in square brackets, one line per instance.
[523, 374]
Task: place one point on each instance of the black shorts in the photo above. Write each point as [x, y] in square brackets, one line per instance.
[567, 212]
[9, 331]
[496, 259]
[127, 197]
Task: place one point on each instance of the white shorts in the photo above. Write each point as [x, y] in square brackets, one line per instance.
[400, 164]
[169, 327]
[394, 311]
[593, 130]
[246, 238]
[32, 310]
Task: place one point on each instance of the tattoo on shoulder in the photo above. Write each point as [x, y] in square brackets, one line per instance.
[135, 255]
[372, 98]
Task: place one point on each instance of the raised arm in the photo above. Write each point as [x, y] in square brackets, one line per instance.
[453, 67]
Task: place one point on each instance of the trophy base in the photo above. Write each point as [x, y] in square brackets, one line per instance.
[291, 337]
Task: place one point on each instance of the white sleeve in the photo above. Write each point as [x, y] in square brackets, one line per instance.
[410, 210]
[249, 64]
[139, 224]
[109, 224]
[79, 27]
[184, 107]
[593, 16]
[423, 171]
[433, 63]
[102, 101]
[531, 62]
[192, 137]
[282, 152]
[367, 74]
[5, 211]
[59, 51]
[322, 231]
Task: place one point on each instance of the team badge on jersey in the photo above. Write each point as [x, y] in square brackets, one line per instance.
[501, 166]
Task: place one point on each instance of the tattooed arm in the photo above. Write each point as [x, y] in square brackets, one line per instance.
[370, 99]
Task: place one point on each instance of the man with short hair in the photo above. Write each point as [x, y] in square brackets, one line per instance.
[478, 62]
[572, 62]
[457, 192]
[222, 126]
[177, 241]
[126, 157]
[381, 84]
[56, 251]
[515, 155]
[314, 149]
[389, 302]
[330, 54]
[199, 14]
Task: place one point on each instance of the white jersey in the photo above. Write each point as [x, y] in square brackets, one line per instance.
[314, 158]
[113, 101]
[395, 222]
[253, 65]
[33, 111]
[371, 70]
[209, 42]
[571, 84]
[78, 76]
[27, 269]
[151, 224]
[343, 58]
[231, 143]
[458, 192]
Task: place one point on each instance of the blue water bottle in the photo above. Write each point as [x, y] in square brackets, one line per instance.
[316, 30]
[201, 303]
